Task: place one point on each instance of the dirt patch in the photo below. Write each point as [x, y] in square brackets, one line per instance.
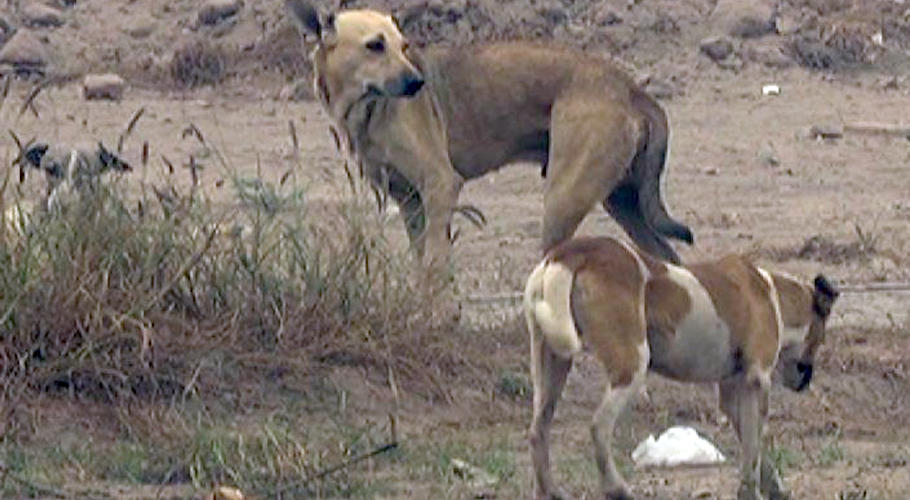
[823, 249]
[838, 35]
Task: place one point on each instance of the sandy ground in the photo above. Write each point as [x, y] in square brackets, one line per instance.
[721, 179]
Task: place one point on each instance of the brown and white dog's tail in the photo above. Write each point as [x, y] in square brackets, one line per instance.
[548, 307]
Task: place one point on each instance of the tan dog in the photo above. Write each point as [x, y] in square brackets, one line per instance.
[422, 122]
[725, 321]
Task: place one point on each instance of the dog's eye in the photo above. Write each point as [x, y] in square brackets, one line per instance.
[376, 45]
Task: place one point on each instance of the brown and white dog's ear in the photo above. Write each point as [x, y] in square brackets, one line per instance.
[824, 295]
[309, 18]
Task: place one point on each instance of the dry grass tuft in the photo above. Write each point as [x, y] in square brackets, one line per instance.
[821, 248]
[164, 299]
[197, 63]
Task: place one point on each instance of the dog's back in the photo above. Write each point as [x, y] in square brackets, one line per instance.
[702, 322]
[504, 93]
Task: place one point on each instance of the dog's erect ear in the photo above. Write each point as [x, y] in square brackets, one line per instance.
[35, 153]
[306, 16]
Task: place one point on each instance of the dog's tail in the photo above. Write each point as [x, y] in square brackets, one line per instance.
[648, 167]
[548, 308]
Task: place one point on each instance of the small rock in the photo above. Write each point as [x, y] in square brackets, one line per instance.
[107, 86]
[826, 131]
[768, 156]
[728, 220]
[225, 493]
[39, 15]
[745, 18]
[716, 47]
[140, 30]
[215, 11]
[731, 63]
[770, 57]
[26, 50]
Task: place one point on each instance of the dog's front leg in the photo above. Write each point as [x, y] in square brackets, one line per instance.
[771, 484]
[741, 400]
[410, 207]
[441, 195]
[415, 143]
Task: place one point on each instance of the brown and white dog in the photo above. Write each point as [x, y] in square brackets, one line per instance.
[726, 321]
[421, 122]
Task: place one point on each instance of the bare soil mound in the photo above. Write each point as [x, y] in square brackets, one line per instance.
[257, 43]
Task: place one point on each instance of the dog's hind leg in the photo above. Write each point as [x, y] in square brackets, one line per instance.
[548, 372]
[610, 314]
[616, 398]
[591, 151]
[771, 484]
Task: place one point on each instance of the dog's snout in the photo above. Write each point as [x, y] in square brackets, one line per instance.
[413, 85]
[805, 371]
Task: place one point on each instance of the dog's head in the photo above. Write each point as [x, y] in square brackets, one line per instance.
[359, 53]
[797, 355]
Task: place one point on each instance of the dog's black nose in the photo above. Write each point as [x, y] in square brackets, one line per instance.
[805, 370]
[413, 86]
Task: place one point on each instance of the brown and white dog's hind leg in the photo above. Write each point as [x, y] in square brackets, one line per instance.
[609, 311]
[548, 369]
[616, 398]
[549, 373]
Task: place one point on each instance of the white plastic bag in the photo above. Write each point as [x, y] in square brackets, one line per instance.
[676, 446]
